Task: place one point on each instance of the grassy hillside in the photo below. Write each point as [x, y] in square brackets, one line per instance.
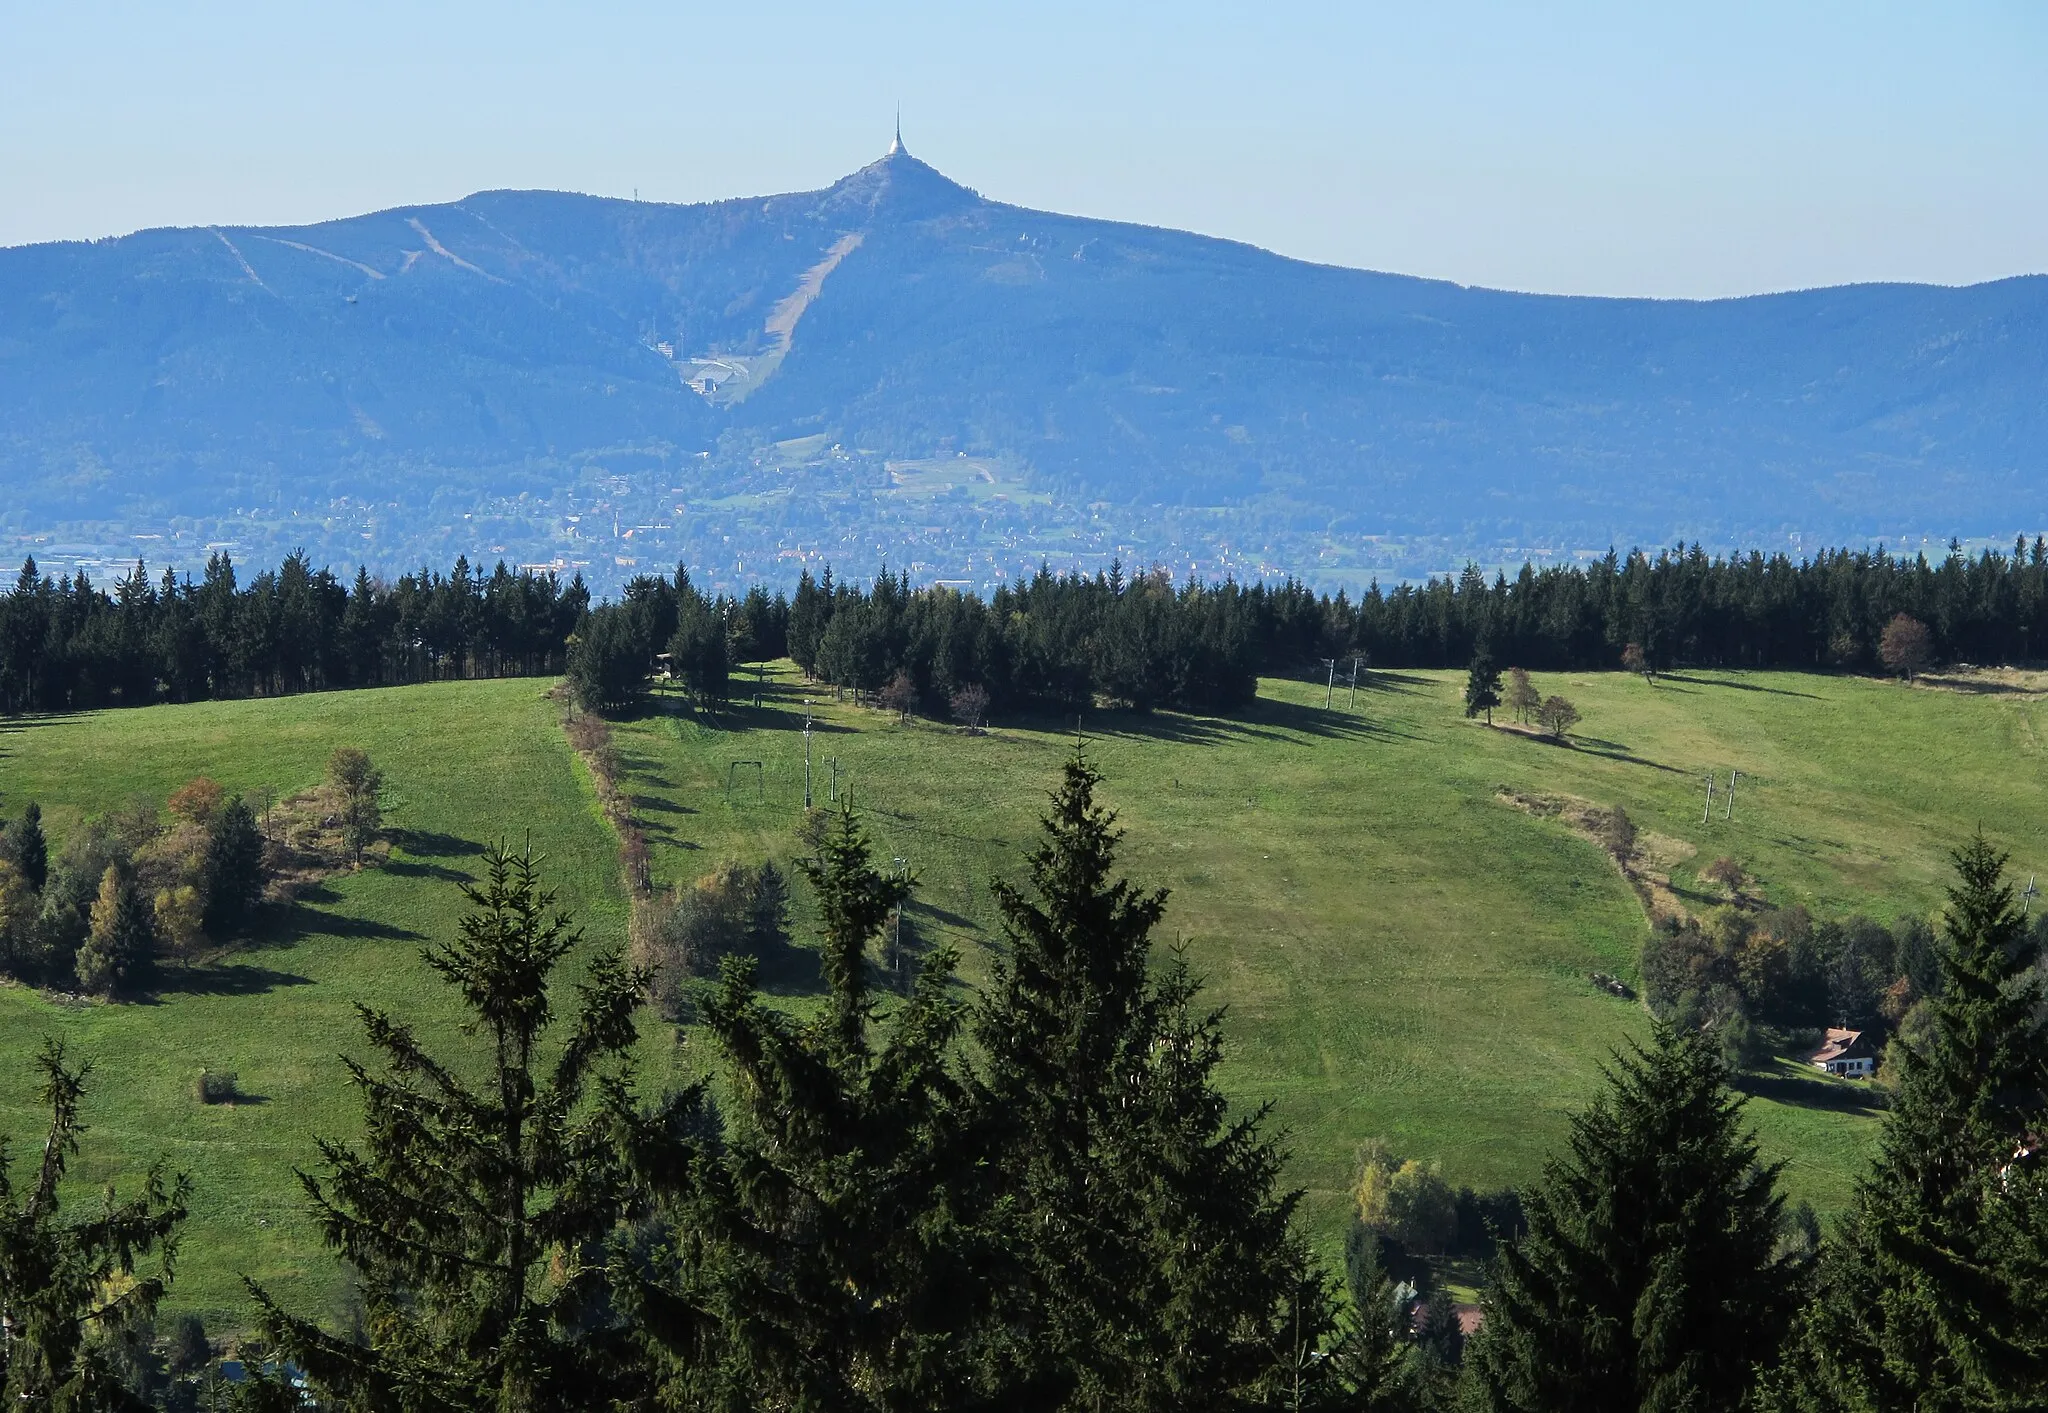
[465, 763]
[1402, 954]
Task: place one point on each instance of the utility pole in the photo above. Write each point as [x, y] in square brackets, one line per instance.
[1330, 688]
[1730, 815]
[1708, 813]
[807, 755]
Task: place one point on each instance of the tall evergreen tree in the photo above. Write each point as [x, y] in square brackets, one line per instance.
[697, 653]
[1649, 1276]
[478, 1214]
[1151, 1262]
[1371, 1358]
[232, 873]
[827, 1239]
[69, 1289]
[27, 849]
[1482, 684]
[608, 662]
[1924, 1299]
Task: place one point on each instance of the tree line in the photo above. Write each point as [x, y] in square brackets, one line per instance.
[67, 644]
[1034, 1196]
[1074, 640]
[1051, 640]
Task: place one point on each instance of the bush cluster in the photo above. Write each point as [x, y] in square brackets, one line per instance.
[737, 910]
[1768, 980]
[134, 885]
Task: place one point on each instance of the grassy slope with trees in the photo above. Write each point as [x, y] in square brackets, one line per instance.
[1403, 955]
[464, 763]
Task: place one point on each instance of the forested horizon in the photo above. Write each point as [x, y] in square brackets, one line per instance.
[1050, 640]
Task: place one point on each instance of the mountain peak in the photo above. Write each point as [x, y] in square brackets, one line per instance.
[900, 185]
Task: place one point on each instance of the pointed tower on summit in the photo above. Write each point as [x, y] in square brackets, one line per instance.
[899, 184]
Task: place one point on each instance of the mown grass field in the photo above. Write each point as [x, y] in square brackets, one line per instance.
[1401, 954]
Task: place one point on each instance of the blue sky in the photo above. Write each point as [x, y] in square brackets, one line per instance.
[1614, 149]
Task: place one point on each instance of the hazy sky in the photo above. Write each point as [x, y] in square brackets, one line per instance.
[1624, 149]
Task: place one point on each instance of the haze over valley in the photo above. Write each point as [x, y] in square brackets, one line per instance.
[898, 368]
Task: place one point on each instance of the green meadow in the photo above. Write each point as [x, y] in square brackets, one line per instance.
[465, 763]
[1400, 953]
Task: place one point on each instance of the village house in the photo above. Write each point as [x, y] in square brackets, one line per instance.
[1846, 1053]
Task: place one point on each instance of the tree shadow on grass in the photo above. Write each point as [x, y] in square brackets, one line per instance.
[789, 719]
[220, 978]
[785, 713]
[433, 844]
[666, 833]
[918, 907]
[789, 970]
[299, 921]
[418, 844]
[1263, 720]
[1738, 686]
[1594, 746]
[406, 868]
[1372, 680]
[1782, 1086]
[15, 725]
[1701, 899]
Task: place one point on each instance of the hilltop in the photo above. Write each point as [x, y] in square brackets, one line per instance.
[898, 364]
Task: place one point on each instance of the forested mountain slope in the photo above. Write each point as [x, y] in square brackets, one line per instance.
[438, 357]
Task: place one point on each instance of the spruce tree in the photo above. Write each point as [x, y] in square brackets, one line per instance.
[233, 869]
[1371, 1357]
[1926, 1290]
[1150, 1261]
[1648, 1277]
[608, 664]
[1482, 685]
[27, 849]
[826, 1240]
[70, 1289]
[477, 1214]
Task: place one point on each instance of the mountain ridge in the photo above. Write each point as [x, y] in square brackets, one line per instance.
[542, 350]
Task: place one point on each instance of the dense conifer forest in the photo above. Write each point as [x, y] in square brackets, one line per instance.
[1053, 640]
